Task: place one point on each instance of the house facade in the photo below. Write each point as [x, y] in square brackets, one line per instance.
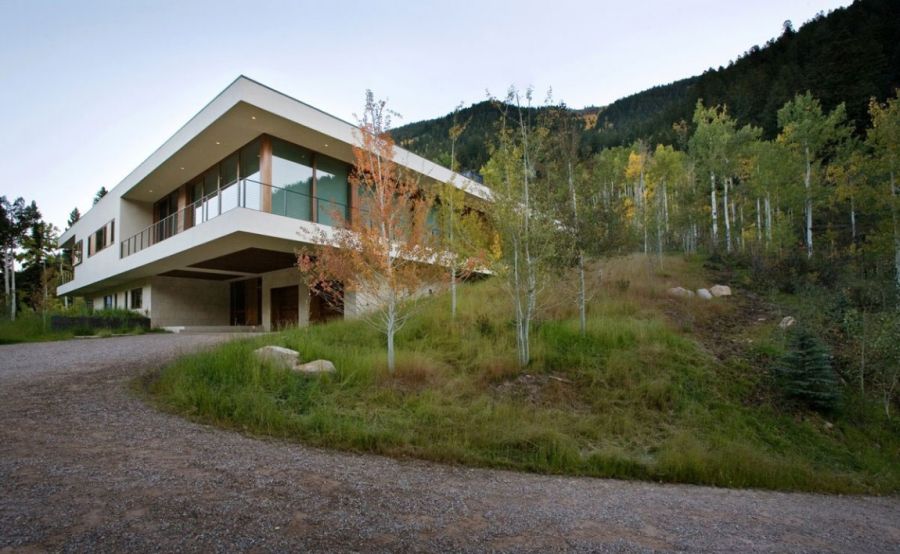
[204, 232]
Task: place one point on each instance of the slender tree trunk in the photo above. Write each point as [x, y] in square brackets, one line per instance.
[768, 219]
[582, 308]
[852, 219]
[6, 281]
[896, 222]
[726, 182]
[390, 330]
[807, 180]
[714, 209]
[452, 262]
[758, 222]
[740, 234]
[12, 276]
[665, 191]
[659, 231]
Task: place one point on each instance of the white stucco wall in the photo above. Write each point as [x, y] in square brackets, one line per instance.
[178, 301]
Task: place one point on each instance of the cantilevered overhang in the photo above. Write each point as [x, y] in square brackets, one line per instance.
[243, 111]
[233, 231]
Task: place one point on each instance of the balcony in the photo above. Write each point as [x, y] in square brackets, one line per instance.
[245, 193]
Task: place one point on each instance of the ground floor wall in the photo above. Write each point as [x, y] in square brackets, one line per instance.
[185, 302]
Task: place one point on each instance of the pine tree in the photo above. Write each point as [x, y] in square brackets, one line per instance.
[805, 373]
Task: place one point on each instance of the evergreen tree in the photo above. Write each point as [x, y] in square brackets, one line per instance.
[100, 194]
[805, 373]
[74, 216]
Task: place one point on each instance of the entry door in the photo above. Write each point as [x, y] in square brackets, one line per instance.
[285, 311]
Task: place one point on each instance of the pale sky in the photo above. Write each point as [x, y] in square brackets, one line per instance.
[89, 89]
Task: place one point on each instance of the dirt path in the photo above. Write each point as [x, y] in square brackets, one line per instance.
[87, 466]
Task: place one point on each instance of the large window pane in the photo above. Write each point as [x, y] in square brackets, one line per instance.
[228, 170]
[210, 196]
[291, 171]
[332, 190]
[250, 161]
[249, 157]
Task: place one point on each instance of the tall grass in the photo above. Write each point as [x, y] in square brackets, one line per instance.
[636, 398]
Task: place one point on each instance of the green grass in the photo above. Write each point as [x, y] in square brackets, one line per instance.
[32, 327]
[639, 397]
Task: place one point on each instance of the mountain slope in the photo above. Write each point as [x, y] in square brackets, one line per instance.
[850, 55]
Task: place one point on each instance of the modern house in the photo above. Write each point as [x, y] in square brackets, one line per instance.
[203, 233]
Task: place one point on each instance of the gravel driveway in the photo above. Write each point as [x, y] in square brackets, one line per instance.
[87, 466]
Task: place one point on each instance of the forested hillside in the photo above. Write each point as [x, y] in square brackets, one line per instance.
[849, 56]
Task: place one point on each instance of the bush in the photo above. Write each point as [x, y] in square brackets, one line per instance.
[805, 373]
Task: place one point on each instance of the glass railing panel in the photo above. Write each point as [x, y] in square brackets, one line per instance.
[298, 206]
[252, 195]
[229, 194]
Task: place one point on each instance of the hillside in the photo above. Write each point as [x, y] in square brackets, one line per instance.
[850, 55]
[659, 388]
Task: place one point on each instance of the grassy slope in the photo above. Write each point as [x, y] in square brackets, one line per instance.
[639, 397]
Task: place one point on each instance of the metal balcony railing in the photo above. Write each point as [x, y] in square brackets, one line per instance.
[244, 193]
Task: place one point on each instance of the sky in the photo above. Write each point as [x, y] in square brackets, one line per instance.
[89, 89]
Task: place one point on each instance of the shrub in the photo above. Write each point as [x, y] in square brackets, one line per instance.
[805, 373]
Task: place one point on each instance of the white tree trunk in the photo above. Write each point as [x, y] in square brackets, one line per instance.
[665, 191]
[768, 219]
[582, 308]
[727, 220]
[714, 209]
[896, 229]
[390, 329]
[807, 180]
[12, 276]
[758, 222]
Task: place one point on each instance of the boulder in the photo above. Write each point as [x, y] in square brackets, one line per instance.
[278, 355]
[315, 367]
[681, 292]
[704, 294]
[787, 321]
[720, 290]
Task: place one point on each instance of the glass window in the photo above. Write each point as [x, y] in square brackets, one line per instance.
[136, 298]
[249, 156]
[228, 178]
[291, 171]
[210, 188]
[108, 302]
[332, 190]
[228, 170]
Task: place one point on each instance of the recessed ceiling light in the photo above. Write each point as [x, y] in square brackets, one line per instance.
[151, 190]
[326, 146]
[181, 168]
[217, 142]
[252, 117]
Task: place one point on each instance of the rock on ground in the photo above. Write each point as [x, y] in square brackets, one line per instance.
[681, 292]
[316, 366]
[787, 321]
[704, 294]
[278, 355]
[720, 290]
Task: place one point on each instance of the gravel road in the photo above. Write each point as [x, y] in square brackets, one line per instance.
[85, 465]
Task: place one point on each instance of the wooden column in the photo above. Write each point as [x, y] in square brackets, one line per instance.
[265, 173]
